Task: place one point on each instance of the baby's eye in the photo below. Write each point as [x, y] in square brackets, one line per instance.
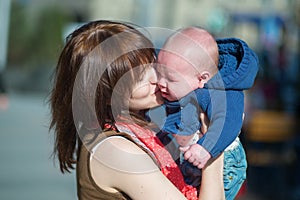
[172, 79]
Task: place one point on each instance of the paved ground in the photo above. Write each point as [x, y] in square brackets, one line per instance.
[26, 170]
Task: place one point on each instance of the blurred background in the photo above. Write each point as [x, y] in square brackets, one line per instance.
[32, 34]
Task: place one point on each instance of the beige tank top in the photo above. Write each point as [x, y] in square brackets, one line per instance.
[87, 189]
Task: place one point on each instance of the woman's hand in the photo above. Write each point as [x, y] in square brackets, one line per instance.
[204, 122]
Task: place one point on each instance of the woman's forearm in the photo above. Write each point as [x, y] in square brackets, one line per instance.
[212, 186]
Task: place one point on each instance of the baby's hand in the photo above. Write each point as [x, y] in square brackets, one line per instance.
[196, 155]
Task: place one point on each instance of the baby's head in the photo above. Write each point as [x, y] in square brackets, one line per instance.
[188, 59]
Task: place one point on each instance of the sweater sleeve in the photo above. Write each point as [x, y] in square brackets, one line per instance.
[225, 111]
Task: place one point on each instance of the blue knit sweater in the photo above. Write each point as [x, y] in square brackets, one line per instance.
[222, 99]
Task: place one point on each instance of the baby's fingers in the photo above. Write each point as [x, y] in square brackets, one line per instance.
[184, 149]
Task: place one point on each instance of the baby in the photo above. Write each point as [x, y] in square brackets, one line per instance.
[197, 73]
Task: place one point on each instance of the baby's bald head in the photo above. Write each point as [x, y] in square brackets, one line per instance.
[196, 46]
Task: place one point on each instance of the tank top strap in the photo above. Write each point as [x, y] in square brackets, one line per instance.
[127, 133]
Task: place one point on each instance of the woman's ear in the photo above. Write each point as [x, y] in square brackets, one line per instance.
[203, 77]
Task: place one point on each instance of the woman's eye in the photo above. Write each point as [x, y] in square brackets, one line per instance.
[153, 80]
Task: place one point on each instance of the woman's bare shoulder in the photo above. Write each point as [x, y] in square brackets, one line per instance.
[117, 164]
[121, 154]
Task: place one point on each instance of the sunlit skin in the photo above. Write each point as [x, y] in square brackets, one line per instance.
[177, 78]
[145, 93]
[180, 71]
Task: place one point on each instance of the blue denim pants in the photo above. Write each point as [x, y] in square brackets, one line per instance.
[235, 166]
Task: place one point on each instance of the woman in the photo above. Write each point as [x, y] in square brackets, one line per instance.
[104, 82]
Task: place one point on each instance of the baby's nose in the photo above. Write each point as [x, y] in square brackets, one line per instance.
[162, 83]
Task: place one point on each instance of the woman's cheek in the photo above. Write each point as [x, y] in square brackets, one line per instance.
[141, 92]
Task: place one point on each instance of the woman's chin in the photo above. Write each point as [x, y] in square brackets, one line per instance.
[159, 100]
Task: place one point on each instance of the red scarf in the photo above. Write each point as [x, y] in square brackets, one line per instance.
[168, 166]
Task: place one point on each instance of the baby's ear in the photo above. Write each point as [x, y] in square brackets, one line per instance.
[203, 77]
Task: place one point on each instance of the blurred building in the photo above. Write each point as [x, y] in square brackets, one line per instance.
[215, 15]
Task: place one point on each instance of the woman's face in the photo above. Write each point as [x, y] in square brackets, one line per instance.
[145, 93]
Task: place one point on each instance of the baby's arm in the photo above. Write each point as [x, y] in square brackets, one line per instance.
[226, 121]
[226, 117]
[196, 154]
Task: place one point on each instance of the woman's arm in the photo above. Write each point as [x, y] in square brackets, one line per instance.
[119, 164]
[212, 186]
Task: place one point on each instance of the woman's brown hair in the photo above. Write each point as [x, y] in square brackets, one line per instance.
[94, 52]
